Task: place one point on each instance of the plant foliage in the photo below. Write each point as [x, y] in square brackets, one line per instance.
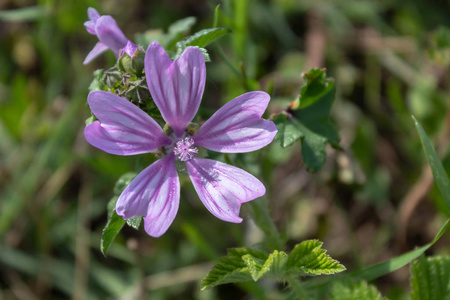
[244, 264]
[308, 119]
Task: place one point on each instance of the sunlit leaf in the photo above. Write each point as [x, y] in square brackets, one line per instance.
[308, 258]
[205, 37]
[201, 39]
[243, 264]
[273, 266]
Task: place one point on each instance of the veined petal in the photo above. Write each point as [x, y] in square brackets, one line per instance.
[98, 49]
[155, 194]
[110, 34]
[176, 87]
[223, 188]
[237, 126]
[123, 128]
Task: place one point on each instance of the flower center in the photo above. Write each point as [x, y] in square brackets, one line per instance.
[184, 149]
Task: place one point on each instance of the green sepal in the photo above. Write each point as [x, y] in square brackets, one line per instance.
[132, 64]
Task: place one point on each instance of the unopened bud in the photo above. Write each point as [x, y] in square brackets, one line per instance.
[131, 59]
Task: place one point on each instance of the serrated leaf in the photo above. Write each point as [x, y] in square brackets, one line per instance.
[310, 121]
[243, 264]
[354, 290]
[439, 174]
[430, 278]
[230, 268]
[273, 266]
[308, 258]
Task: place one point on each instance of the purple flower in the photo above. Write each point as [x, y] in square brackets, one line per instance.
[109, 34]
[177, 88]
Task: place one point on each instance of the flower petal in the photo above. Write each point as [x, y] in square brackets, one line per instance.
[123, 128]
[98, 49]
[90, 26]
[155, 194]
[93, 14]
[237, 126]
[110, 34]
[223, 188]
[176, 87]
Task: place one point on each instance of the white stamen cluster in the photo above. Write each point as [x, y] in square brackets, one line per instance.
[184, 149]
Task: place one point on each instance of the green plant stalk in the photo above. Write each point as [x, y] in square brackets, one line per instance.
[260, 214]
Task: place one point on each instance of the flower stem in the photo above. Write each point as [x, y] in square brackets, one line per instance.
[259, 211]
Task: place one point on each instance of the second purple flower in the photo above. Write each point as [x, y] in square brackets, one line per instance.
[177, 88]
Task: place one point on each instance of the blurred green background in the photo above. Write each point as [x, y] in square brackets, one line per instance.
[373, 200]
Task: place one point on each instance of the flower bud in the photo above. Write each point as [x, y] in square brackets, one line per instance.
[131, 59]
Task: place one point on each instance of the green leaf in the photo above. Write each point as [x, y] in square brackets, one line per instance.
[383, 268]
[288, 130]
[178, 29]
[181, 26]
[112, 228]
[201, 39]
[308, 119]
[439, 174]
[317, 85]
[430, 278]
[123, 182]
[97, 83]
[205, 37]
[116, 222]
[134, 222]
[272, 266]
[230, 268]
[25, 14]
[308, 258]
[243, 264]
[396, 263]
[354, 290]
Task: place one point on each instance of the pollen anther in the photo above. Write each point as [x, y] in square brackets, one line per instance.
[184, 149]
